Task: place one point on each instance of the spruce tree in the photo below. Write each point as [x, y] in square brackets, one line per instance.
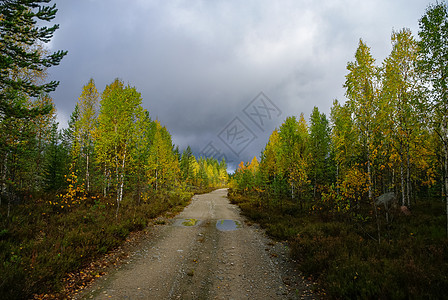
[20, 38]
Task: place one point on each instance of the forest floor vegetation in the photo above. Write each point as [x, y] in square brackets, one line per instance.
[344, 256]
[44, 248]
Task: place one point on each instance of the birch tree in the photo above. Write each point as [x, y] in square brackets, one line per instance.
[400, 87]
[433, 66]
[83, 131]
[294, 153]
[362, 91]
[163, 165]
[115, 134]
[343, 139]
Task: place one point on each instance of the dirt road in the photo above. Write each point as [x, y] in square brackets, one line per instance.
[207, 252]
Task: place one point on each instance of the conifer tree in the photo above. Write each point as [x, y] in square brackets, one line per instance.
[319, 142]
[19, 30]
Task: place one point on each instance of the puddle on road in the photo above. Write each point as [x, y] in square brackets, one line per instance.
[221, 225]
[186, 222]
[228, 225]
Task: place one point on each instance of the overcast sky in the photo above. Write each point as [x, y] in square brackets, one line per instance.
[222, 75]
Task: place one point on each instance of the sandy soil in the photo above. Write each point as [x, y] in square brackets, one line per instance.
[184, 260]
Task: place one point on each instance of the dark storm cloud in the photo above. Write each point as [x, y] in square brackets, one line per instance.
[198, 64]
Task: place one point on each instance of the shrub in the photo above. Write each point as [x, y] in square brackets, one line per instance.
[40, 243]
[342, 254]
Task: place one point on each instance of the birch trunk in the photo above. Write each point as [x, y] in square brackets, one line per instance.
[3, 186]
[445, 148]
[408, 178]
[121, 184]
[157, 174]
[369, 177]
[337, 179]
[87, 173]
[403, 192]
[105, 182]
[292, 190]
[446, 185]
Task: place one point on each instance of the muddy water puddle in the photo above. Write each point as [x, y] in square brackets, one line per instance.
[221, 225]
[228, 225]
[186, 222]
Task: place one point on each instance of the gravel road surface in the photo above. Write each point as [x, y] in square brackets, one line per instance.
[208, 251]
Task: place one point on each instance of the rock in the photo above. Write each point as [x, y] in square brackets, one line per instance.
[386, 199]
[405, 210]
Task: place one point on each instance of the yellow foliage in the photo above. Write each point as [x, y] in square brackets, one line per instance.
[355, 184]
[74, 195]
[253, 166]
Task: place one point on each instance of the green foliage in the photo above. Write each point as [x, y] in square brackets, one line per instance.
[186, 166]
[343, 257]
[19, 33]
[40, 244]
[283, 166]
[116, 134]
[162, 167]
[26, 112]
[207, 173]
[24, 147]
[56, 159]
[389, 138]
[376, 142]
[72, 177]
[83, 129]
[319, 143]
[58, 186]
[433, 68]
[315, 184]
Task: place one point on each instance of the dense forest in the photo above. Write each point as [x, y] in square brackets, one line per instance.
[70, 195]
[111, 147]
[361, 193]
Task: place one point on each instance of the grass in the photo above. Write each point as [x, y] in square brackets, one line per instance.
[341, 254]
[40, 244]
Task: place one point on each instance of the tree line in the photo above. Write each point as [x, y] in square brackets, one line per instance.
[390, 136]
[111, 145]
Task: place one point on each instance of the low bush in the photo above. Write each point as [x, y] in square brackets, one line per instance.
[40, 243]
[343, 256]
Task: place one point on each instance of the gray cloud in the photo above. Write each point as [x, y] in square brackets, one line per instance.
[199, 63]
